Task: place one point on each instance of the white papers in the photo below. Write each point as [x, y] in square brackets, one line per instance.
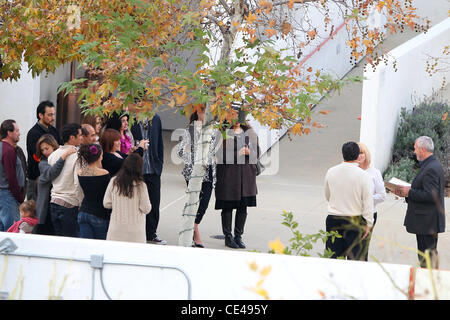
[399, 182]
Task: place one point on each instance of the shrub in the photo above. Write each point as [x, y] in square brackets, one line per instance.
[428, 118]
[402, 169]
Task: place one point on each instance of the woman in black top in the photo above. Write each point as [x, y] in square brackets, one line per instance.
[112, 157]
[93, 218]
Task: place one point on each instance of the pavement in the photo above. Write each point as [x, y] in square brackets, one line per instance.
[298, 184]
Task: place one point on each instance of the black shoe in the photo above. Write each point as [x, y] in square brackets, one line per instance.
[229, 242]
[197, 245]
[239, 242]
[157, 241]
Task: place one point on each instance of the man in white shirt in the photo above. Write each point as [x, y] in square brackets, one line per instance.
[66, 194]
[348, 190]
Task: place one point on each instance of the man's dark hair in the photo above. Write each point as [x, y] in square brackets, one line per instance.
[7, 125]
[68, 130]
[350, 151]
[41, 107]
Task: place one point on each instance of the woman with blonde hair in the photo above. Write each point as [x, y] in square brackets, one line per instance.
[379, 191]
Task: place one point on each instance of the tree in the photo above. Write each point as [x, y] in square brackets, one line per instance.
[150, 54]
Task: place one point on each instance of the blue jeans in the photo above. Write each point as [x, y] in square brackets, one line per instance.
[64, 220]
[9, 209]
[92, 227]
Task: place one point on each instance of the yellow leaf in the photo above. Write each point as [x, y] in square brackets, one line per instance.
[251, 18]
[265, 271]
[277, 246]
[253, 266]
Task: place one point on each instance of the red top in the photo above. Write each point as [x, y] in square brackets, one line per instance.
[30, 220]
[9, 157]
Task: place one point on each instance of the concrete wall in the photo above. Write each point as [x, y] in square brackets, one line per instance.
[49, 265]
[386, 91]
[18, 101]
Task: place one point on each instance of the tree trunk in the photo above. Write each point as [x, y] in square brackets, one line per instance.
[195, 182]
[201, 155]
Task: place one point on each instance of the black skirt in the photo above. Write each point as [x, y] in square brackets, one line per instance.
[234, 204]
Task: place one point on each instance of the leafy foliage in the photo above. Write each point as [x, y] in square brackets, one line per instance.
[301, 244]
[428, 118]
[152, 54]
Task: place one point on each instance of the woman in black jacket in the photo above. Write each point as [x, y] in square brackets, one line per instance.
[236, 180]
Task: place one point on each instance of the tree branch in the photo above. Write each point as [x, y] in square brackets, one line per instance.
[226, 7]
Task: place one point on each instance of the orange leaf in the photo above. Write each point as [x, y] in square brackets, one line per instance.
[286, 28]
[312, 34]
[324, 111]
[270, 32]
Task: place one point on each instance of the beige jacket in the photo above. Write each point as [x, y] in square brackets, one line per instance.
[66, 186]
[127, 221]
[349, 190]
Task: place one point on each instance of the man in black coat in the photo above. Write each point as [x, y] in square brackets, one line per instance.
[425, 216]
[152, 169]
[45, 114]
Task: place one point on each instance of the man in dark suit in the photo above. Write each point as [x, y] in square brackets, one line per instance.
[425, 216]
[152, 169]
[45, 114]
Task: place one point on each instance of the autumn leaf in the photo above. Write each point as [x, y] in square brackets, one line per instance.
[444, 116]
[265, 271]
[312, 34]
[286, 28]
[270, 33]
[277, 246]
[324, 111]
[251, 18]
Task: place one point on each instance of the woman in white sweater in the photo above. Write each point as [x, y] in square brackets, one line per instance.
[127, 196]
[379, 190]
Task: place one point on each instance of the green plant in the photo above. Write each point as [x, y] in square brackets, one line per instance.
[403, 169]
[301, 244]
[428, 118]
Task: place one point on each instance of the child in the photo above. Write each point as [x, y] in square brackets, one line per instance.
[27, 220]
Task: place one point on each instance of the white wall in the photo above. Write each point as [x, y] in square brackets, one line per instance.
[18, 101]
[213, 274]
[386, 91]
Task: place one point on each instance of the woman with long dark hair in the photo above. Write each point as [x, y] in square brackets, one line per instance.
[186, 151]
[236, 179]
[128, 198]
[93, 218]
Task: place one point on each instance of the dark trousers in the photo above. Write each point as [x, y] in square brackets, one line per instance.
[427, 242]
[366, 241]
[64, 220]
[349, 245]
[240, 218]
[46, 228]
[153, 182]
[204, 197]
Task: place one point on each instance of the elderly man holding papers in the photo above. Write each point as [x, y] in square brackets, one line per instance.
[425, 216]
